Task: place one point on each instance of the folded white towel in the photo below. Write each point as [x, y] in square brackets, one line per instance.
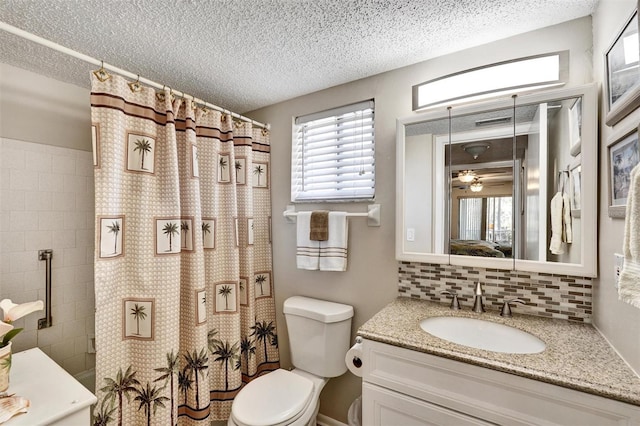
[307, 251]
[333, 252]
[629, 285]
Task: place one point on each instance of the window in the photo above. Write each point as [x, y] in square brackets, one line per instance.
[333, 155]
[487, 219]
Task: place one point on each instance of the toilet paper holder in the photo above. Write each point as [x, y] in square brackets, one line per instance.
[356, 361]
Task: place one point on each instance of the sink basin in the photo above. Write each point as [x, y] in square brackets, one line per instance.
[482, 334]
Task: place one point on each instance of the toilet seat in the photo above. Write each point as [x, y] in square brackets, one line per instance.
[276, 398]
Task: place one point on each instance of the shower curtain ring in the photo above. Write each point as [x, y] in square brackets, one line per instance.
[135, 86]
[102, 74]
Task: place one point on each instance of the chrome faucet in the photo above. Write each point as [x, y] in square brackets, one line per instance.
[478, 305]
[455, 305]
[506, 309]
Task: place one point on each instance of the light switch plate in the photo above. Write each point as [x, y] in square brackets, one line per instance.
[411, 234]
[619, 263]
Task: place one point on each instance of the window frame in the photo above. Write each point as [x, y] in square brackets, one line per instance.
[334, 141]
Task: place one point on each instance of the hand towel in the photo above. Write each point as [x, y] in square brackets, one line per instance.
[307, 251]
[629, 284]
[561, 230]
[319, 226]
[555, 210]
[333, 252]
[567, 230]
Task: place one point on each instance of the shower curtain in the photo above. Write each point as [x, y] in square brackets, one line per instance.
[185, 311]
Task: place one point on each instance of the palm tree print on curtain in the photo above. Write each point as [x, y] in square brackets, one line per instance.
[115, 229]
[111, 229]
[139, 317]
[260, 176]
[239, 167]
[185, 364]
[138, 313]
[170, 229]
[150, 398]
[169, 373]
[140, 150]
[224, 294]
[124, 384]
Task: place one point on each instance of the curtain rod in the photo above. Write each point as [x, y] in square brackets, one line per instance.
[48, 43]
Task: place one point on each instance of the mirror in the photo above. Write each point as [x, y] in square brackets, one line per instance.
[484, 185]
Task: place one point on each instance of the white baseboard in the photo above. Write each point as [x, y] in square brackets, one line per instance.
[323, 420]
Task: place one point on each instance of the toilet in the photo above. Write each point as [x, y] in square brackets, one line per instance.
[319, 335]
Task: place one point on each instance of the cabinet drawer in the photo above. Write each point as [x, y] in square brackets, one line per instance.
[382, 407]
[487, 394]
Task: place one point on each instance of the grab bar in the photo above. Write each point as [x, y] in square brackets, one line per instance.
[46, 322]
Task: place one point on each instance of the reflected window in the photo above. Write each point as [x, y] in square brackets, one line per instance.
[499, 219]
[488, 219]
[470, 219]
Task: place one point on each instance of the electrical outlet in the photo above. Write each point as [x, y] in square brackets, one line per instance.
[619, 263]
[411, 234]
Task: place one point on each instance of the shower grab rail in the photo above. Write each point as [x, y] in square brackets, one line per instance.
[47, 321]
[372, 214]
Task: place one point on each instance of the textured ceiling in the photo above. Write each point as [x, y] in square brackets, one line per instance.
[246, 54]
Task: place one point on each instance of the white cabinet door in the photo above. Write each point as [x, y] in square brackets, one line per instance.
[477, 392]
[382, 407]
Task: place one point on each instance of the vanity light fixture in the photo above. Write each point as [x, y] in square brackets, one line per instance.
[498, 79]
[466, 176]
[476, 186]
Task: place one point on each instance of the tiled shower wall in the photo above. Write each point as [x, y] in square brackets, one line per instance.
[46, 202]
[547, 295]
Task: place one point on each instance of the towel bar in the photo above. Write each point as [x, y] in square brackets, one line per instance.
[372, 214]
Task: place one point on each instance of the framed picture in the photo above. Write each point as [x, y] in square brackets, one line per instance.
[622, 72]
[623, 157]
[575, 187]
[575, 127]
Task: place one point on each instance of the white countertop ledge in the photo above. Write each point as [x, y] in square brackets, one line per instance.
[54, 394]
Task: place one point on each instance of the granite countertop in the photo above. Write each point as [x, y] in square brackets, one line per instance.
[576, 356]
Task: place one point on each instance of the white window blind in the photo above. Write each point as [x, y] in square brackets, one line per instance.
[333, 155]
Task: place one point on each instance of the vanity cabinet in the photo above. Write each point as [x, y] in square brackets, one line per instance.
[407, 387]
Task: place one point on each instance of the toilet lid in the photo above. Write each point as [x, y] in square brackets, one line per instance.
[272, 399]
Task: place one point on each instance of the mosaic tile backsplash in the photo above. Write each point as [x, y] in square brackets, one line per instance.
[547, 295]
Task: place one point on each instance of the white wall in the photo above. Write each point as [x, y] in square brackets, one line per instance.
[619, 322]
[62, 108]
[46, 202]
[372, 278]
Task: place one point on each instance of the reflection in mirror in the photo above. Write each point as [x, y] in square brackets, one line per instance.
[492, 185]
[482, 184]
[425, 190]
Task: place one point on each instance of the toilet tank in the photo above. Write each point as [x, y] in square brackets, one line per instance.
[319, 334]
